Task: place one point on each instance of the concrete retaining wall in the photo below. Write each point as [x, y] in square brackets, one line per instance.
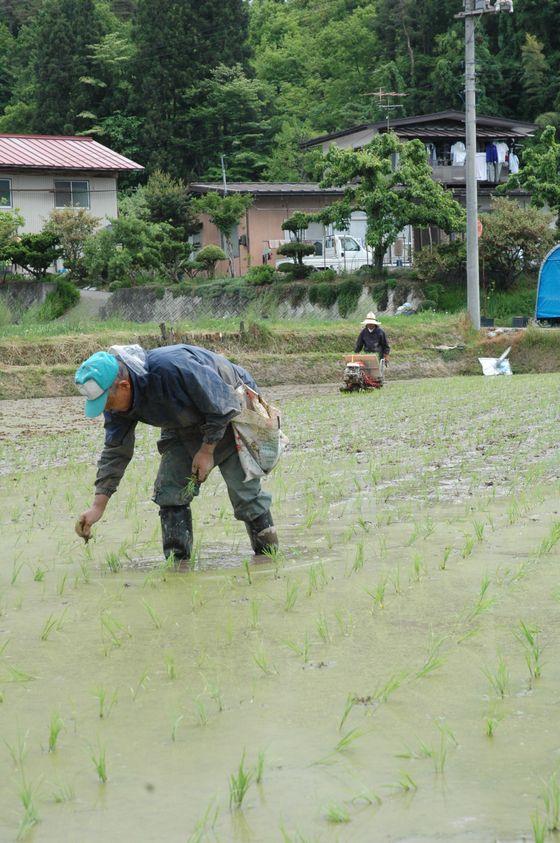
[19, 296]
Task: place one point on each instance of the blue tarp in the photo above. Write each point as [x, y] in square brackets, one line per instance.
[548, 290]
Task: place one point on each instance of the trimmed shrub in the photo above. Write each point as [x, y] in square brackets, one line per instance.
[209, 256]
[324, 275]
[260, 274]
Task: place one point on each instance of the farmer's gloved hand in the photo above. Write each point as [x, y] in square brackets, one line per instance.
[203, 462]
[88, 518]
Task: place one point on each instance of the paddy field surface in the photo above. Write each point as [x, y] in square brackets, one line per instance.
[391, 674]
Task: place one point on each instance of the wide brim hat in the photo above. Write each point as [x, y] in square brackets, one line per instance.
[371, 319]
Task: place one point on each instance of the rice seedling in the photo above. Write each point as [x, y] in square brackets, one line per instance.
[499, 678]
[528, 637]
[140, 685]
[335, 813]
[292, 589]
[468, 547]
[30, 815]
[105, 705]
[170, 667]
[18, 750]
[261, 660]
[539, 828]
[200, 711]
[48, 627]
[384, 691]
[113, 563]
[418, 568]
[478, 528]
[254, 609]
[113, 632]
[63, 793]
[259, 767]
[323, 628]
[551, 798]
[396, 580]
[444, 559]
[61, 584]
[17, 567]
[301, 650]
[404, 784]
[55, 727]
[549, 542]
[197, 600]
[490, 725]
[39, 575]
[423, 751]
[358, 563]
[206, 824]
[482, 603]
[349, 705]
[18, 675]
[98, 758]
[155, 617]
[377, 594]
[367, 796]
[247, 569]
[239, 783]
[348, 739]
[175, 727]
[439, 754]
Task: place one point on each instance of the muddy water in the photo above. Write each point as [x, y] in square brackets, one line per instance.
[414, 526]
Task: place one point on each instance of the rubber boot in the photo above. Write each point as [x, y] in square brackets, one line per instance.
[176, 531]
[263, 535]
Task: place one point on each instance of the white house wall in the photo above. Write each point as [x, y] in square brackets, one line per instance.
[33, 195]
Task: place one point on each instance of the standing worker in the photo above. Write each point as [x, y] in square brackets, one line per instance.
[190, 393]
[372, 339]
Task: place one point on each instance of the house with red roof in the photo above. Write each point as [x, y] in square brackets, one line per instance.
[39, 173]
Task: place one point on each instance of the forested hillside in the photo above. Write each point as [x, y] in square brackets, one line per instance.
[176, 83]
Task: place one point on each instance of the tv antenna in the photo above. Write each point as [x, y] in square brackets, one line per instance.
[385, 101]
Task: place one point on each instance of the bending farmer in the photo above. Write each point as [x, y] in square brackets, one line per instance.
[189, 393]
[372, 338]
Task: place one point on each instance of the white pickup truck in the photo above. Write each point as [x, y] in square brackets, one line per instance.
[340, 252]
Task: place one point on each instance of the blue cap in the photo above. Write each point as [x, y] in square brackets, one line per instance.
[94, 378]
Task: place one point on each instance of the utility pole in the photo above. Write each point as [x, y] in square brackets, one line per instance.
[473, 9]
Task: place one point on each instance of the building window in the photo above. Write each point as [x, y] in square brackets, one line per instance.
[5, 193]
[71, 194]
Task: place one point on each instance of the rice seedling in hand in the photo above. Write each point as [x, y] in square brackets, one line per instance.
[292, 589]
[498, 678]
[98, 758]
[239, 785]
[55, 727]
[336, 813]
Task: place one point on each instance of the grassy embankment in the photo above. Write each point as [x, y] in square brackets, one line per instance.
[39, 360]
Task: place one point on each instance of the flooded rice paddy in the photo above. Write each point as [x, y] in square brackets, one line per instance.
[392, 674]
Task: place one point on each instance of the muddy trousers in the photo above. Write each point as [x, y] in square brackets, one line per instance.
[174, 494]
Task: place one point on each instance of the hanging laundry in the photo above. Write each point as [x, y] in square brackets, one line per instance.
[513, 163]
[503, 150]
[492, 166]
[432, 154]
[480, 167]
[458, 154]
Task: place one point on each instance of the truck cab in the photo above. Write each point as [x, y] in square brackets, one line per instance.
[340, 252]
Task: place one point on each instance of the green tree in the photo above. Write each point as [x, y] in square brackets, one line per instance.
[225, 212]
[64, 31]
[392, 183]
[296, 249]
[72, 227]
[540, 173]
[10, 222]
[231, 116]
[168, 200]
[34, 253]
[177, 43]
[536, 72]
[514, 240]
